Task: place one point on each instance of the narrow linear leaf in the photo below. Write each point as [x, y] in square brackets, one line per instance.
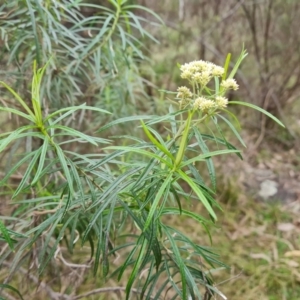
[65, 168]
[155, 142]
[71, 109]
[237, 64]
[41, 161]
[184, 212]
[74, 132]
[17, 112]
[198, 192]
[9, 287]
[209, 161]
[13, 136]
[226, 65]
[26, 175]
[233, 130]
[16, 166]
[135, 268]
[140, 151]
[157, 199]
[124, 120]
[202, 157]
[259, 109]
[178, 260]
[20, 100]
[6, 236]
[133, 7]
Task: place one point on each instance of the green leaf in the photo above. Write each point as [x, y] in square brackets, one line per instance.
[6, 236]
[233, 130]
[65, 168]
[183, 142]
[17, 112]
[178, 260]
[25, 179]
[228, 145]
[124, 120]
[226, 65]
[77, 180]
[155, 142]
[13, 136]
[158, 196]
[209, 161]
[222, 142]
[74, 133]
[237, 123]
[51, 253]
[198, 192]
[259, 109]
[140, 151]
[41, 161]
[130, 256]
[20, 100]
[34, 29]
[184, 212]
[134, 7]
[237, 64]
[201, 157]
[136, 267]
[17, 165]
[71, 109]
[9, 287]
[99, 245]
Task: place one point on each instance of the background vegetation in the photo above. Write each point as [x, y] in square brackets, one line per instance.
[118, 60]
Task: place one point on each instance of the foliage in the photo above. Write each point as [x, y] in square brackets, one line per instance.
[88, 193]
[93, 195]
[95, 50]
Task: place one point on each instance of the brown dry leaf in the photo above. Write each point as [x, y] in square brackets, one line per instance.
[285, 227]
[294, 253]
[261, 256]
[290, 263]
[243, 231]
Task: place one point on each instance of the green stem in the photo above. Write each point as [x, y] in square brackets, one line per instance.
[111, 31]
[183, 141]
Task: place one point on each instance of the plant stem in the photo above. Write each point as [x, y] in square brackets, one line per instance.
[111, 31]
[183, 141]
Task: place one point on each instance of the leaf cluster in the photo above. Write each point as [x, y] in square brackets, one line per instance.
[66, 196]
[96, 50]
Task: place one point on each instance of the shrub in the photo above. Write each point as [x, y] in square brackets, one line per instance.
[116, 197]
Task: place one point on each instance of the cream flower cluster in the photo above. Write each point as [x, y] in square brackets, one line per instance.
[201, 103]
[184, 92]
[229, 83]
[200, 71]
[221, 102]
[204, 104]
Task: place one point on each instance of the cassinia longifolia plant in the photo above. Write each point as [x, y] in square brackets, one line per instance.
[66, 198]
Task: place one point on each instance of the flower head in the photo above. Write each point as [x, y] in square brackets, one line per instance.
[184, 92]
[229, 83]
[217, 71]
[200, 71]
[221, 102]
[204, 104]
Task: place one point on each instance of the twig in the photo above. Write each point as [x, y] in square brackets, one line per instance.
[52, 294]
[107, 290]
[262, 127]
[7, 295]
[71, 265]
